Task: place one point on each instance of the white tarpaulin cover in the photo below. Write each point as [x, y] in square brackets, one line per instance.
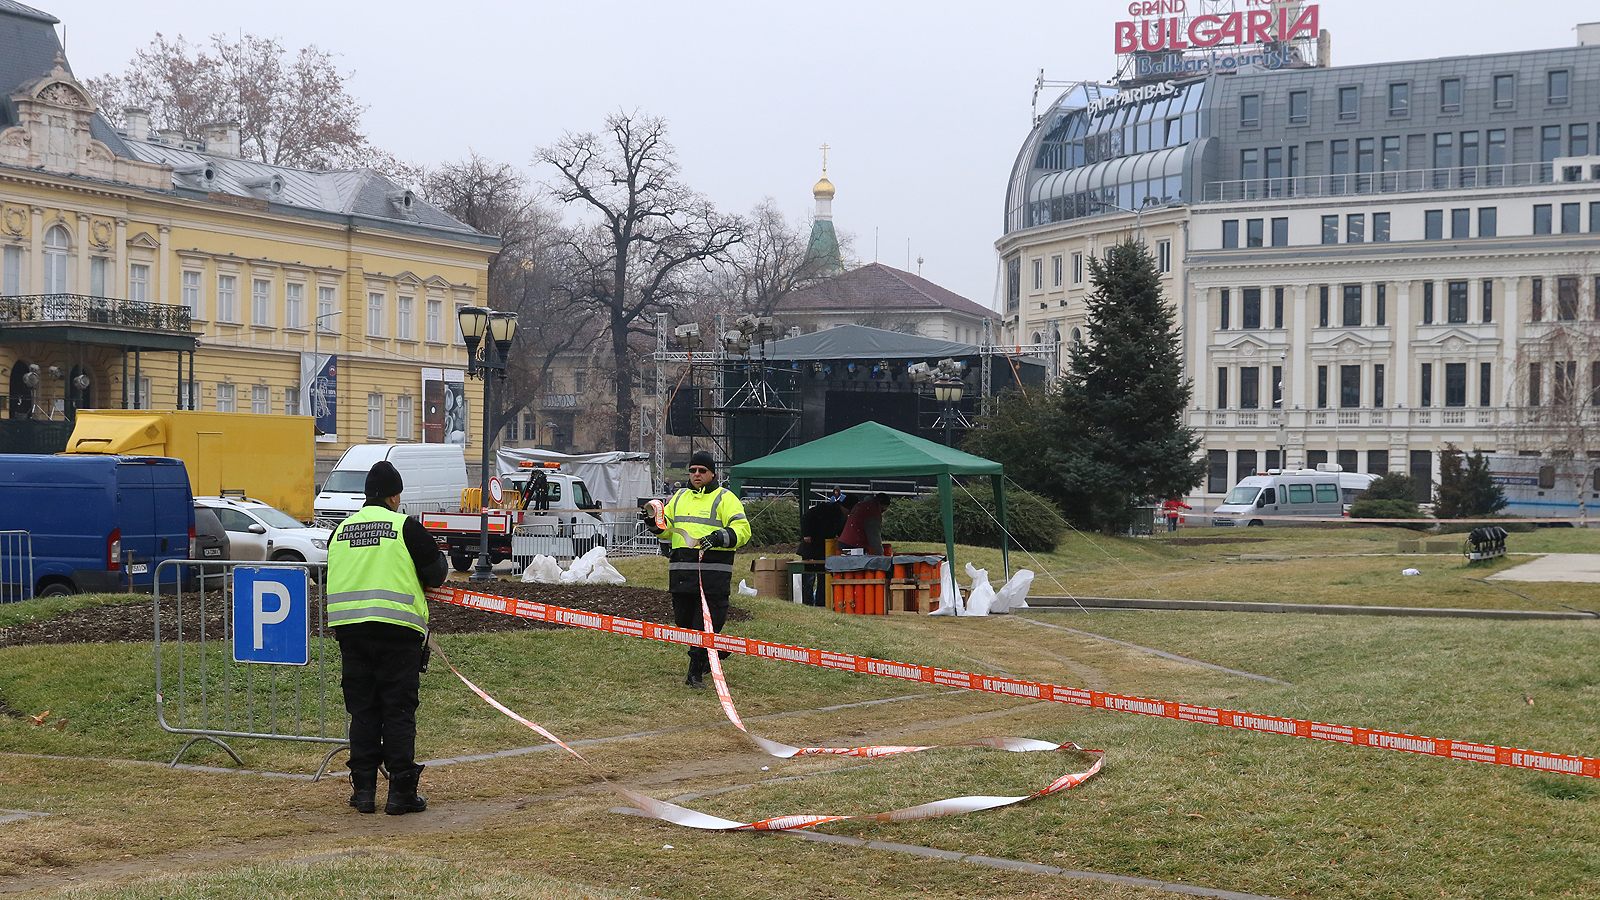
[617, 479]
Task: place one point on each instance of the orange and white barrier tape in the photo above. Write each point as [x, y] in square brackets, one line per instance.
[679, 815]
[1317, 731]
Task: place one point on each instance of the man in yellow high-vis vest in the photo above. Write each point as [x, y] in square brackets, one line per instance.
[379, 563]
[706, 523]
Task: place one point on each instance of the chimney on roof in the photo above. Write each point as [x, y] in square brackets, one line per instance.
[1588, 34]
[136, 123]
[221, 138]
[172, 137]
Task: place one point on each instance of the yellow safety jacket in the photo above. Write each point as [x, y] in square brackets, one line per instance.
[696, 512]
[371, 577]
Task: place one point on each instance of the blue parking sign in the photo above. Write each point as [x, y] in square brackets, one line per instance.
[271, 615]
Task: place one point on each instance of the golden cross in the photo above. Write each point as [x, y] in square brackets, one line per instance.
[825, 148]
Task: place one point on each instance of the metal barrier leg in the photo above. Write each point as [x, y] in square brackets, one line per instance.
[323, 769]
[204, 737]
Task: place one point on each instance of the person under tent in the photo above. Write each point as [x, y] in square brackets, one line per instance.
[821, 523]
[863, 530]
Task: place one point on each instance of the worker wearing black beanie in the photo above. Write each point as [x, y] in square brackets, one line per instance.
[379, 563]
[705, 523]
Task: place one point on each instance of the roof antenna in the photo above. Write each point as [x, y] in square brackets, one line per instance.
[874, 243]
[908, 254]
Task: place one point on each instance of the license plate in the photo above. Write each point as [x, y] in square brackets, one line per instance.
[139, 569]
[213, 551]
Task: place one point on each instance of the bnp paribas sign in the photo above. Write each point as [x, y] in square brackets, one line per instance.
[1168, 26]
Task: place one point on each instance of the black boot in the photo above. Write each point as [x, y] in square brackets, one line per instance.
[364, 791]
[403, 797]
[693, 679]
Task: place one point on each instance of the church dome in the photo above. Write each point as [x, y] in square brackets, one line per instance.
[823, 189]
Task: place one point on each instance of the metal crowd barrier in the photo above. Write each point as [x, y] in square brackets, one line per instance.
[203, 691]
[16, 566]
[570, 541]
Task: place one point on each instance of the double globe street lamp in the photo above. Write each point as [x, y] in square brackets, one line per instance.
[500, 327]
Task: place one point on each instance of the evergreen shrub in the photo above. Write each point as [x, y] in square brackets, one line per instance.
[1033, 521]
[773, 522]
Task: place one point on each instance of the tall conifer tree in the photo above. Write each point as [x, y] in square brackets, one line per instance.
[1123, 398]
[1111, 435]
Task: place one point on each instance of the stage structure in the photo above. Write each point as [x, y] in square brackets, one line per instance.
[743, 395]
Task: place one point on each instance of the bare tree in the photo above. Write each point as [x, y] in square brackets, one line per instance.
[528, 276]
[1558, 386]
[293, 109]
[647, 233]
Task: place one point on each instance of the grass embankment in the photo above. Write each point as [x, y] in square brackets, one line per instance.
[1220, 808]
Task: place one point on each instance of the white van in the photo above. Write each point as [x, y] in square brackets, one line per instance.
[1321, 493]
[434, 476]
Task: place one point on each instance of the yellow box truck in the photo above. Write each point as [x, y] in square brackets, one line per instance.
[269, 458]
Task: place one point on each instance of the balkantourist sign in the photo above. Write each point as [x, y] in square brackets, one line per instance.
[1163, 25]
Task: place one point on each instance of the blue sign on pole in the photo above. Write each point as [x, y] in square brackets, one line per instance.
[271, 615]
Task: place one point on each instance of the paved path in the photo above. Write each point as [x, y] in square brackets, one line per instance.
[1581, 567]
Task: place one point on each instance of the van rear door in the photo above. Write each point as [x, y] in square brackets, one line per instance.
[136, 519]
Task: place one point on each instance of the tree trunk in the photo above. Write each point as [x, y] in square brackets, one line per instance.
[622, 362]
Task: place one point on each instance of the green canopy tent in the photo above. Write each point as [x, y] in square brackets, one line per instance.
[871, 450]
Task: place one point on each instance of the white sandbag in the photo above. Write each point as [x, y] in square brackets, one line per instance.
[949, 594]
[1014, 593]
[592, 568]
[746, 590]
[543, 570]
[602, 571]
[980, 597]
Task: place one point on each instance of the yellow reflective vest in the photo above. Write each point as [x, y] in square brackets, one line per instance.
[698, 512]
[371, 577]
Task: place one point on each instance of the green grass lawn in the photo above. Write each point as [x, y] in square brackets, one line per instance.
[1220, 808]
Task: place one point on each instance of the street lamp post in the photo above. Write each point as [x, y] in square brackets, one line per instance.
[948, 392]
[493, 331]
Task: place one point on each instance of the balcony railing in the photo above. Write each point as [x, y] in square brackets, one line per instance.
[1406, 181]
[87, 310]
[558, 401]
[1336, 418]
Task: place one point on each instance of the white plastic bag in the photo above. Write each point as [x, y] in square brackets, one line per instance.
[981, 595]
[1411, 572]
[949, 594]
[746, 590]
[602, 571]
[592, 568]
[543, 570]
[1014, 593]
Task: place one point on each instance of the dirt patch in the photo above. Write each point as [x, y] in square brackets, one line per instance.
[1196, 542]
[134, 622]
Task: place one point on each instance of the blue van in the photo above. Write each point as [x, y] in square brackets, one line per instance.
[97, 523]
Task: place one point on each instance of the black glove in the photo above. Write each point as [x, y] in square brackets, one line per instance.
[722, 537]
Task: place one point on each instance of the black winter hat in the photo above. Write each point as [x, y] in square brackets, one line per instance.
[702, 458]
[383, 480]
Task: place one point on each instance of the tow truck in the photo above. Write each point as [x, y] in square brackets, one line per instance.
[537, 494]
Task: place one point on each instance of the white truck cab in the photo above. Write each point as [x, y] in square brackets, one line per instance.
[560, 516]
[1268, 499]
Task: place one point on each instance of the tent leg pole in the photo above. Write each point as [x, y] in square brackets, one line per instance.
[947, 510]
[1000, 515]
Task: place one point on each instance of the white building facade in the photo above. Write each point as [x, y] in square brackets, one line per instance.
[1377, 260]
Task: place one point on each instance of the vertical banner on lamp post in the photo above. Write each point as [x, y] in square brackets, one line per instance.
[444, 406]
[319, 393]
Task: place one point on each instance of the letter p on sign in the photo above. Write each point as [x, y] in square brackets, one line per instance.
[271, 615]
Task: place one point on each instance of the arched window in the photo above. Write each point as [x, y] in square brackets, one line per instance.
[21, 390]
[57, 248]
[1077, 337]
[1037, 339]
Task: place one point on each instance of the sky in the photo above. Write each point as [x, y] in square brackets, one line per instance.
[923, 104]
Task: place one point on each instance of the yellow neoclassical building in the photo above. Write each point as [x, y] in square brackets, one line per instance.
[164, 271]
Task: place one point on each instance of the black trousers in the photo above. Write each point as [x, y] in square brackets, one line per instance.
[686, 614]
[380, 681]
[814, 588]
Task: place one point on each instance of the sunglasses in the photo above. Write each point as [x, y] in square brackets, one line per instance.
[699, 470]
